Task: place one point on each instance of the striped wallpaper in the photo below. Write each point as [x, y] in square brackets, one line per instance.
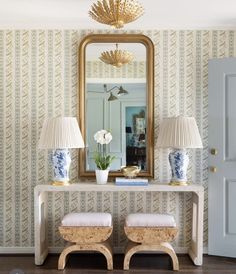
[39, 79]
[99, 69]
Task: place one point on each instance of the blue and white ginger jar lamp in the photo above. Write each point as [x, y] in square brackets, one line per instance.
[60, 134]
[179, 133]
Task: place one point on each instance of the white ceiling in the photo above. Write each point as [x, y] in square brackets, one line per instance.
[159, 14]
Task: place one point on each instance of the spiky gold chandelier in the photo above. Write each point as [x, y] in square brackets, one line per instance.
[117, 57]
[116, 13]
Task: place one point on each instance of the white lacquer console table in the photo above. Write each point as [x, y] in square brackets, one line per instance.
[41, 214]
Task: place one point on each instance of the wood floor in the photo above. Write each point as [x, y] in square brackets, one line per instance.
[95, 264]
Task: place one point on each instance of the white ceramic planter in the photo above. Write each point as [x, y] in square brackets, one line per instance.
[101, 176]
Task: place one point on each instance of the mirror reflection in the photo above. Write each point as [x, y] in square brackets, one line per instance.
[115, 97]
[116, 94]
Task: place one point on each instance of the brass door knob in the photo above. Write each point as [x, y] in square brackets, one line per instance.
[213, 169]
[214, 151]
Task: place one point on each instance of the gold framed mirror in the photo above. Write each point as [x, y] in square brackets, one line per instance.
[129, 117]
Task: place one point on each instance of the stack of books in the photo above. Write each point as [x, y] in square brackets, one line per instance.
[121, 181]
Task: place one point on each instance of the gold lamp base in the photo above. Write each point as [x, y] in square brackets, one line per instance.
[60, 183]
[176, 183]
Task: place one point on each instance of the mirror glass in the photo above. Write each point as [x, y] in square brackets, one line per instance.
[117, 99]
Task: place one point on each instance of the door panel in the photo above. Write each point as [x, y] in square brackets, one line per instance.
[230, 208]
[230, 116]
[222, 136]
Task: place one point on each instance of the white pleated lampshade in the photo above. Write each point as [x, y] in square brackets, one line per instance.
[60, 132]
[179, 132]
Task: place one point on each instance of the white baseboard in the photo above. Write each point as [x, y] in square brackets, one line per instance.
[56, 250]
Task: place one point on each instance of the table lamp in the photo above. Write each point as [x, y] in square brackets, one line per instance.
[60, 134]
[179, 133]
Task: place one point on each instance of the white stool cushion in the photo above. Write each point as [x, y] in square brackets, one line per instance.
[87, 219]
[150, 220]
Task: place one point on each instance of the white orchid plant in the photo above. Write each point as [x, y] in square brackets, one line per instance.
[101, 158]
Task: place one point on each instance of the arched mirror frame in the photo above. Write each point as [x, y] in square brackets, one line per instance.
[118, 38]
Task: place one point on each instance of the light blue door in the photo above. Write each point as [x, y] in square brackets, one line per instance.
[222, 157]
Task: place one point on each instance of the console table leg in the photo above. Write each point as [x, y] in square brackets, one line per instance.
[40, 226]
[196, 250]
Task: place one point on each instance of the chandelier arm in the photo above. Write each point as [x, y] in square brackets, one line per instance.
[106, 7]
[118, 3]
[106, 11]
[123, 10]
[98, 12]
[112, 6]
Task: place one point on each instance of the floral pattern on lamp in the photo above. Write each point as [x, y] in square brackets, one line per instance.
[61, 163]
[179, 161]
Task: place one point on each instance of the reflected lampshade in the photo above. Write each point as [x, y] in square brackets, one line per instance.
[122, 91]
[112, 97]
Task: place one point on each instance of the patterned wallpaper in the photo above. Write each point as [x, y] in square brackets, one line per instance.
[98, 69]
[39, 78]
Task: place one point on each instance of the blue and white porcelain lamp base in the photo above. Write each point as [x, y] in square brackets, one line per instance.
[61, 164]
[179, 161]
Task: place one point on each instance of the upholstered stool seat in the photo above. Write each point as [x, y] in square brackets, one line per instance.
[86, 231]
[150, 232]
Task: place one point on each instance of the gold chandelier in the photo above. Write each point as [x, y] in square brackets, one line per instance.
[116, 57]
[116, 13]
